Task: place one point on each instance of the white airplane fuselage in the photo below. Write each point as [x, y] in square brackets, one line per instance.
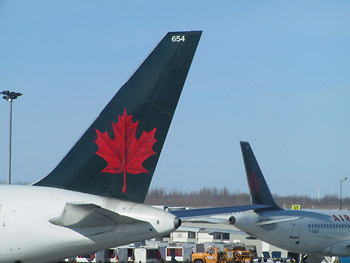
[28, 236]
[300, 231]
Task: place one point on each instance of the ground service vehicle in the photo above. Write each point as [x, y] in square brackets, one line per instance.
[214, 255]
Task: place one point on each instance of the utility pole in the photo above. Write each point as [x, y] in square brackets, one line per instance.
[341, 191]
[10, 96]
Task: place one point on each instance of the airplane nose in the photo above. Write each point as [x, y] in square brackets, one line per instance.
[177, 222]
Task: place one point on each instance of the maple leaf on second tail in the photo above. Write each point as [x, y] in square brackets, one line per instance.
[124, 153]
[255, 183]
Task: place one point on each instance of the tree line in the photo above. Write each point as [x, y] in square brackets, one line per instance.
[206, 197]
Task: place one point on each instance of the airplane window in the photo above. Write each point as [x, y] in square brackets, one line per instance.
[309, 225]
[318, 225]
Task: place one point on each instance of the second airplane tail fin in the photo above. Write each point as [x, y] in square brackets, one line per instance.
[259, 191]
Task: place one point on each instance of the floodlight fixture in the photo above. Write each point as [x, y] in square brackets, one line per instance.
[10, 96]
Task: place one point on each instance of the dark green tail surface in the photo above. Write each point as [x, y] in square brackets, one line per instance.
[117, 155]
[259, 191]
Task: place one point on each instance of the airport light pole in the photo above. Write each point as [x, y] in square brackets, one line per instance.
[10, 96]
[341, 188]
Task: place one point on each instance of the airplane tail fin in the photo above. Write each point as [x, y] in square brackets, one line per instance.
[117, 155]
[259, 191]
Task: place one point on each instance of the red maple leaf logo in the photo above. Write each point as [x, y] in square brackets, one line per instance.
[124, 153]
[255, 183]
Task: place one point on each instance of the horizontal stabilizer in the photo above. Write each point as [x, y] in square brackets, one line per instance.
[89, 216]
[200, 212]
[276, 221]
[214, 219]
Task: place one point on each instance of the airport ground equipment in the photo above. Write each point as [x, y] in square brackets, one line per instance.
[214, 255]
[178, 254]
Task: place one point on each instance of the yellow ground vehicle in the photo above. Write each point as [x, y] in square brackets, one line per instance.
[214, 255]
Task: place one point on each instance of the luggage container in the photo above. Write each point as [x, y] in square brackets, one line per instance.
[107, 256]
[179, 254]
[147, 255]
[85, 259]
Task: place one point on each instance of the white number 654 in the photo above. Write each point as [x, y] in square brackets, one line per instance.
[178, 38]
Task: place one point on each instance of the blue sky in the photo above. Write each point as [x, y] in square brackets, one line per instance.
[274, 73]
